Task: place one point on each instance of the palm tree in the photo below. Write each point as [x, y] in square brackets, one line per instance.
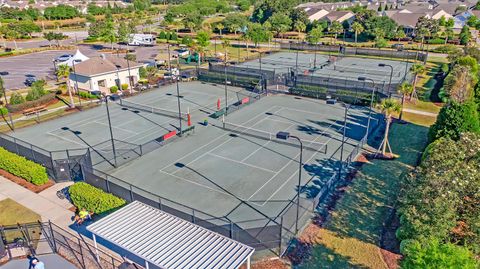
[336, 28]
[357, 29]
[416, 69]
[220, 27]
[63, 71]
[299, 27]
[388, 107]
[405, 89]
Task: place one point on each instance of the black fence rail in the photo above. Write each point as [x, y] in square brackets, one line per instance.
[350, 51]
[42, 238]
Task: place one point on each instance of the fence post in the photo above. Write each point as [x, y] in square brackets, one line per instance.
[16, 145]
[231, 229]
[33, 153]
[53, 237]
[193, 216]
[131, 193]
[160, 206]
[107, 183]
[81, 252]
[53, 166]
[280, 237]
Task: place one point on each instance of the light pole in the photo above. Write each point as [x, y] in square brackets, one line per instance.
[178, 99]
[129, 74]
[111, 131]
[285, 136]
[391, 74]
[76, 82]
[371, 101]
[343, 139]
[225, 71]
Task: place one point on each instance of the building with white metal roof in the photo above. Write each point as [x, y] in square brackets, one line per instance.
[169, 242]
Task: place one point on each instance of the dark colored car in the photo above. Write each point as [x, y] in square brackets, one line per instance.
[3, 73]
[30, 80]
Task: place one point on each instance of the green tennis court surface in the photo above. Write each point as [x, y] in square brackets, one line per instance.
[219, 171]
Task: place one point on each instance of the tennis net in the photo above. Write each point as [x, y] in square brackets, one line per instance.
[310, 145]
[365, 71]
[286, 63]
[151, 109]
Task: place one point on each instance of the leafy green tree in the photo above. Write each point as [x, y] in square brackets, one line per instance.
[450, 23]
[357, 28]
[37, 90]
[63, 71]
[405, 89]
[220, 27]
[60, 12]
[16, 98]
[434, 254]
[454, 119]
[374, 23]
[335, 28]
[465, 35]
[123, 32]
[264, 9]
[203, 40]
[193, 21]
[109, 33]
[235, 22]
[388, 107]
[313, 38]
[141, 5]
[256, 33]
[472, 21]
[459, 83]
[280, 23]
[300, 27]
[399, 34]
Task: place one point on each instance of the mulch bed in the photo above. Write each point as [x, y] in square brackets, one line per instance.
[27, 185]
[390, 247]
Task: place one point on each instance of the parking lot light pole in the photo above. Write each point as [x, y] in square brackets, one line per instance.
[391, 74]
[111, 131]
[343, 139]
[226, 81]
[371, 101]
[286, 136]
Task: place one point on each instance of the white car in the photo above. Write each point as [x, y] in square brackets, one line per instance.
[63, 58]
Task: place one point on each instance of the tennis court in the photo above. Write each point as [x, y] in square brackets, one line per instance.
[147, 117]
[348, 68]
[241, 172]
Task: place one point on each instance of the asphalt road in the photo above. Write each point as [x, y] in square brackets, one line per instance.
[41, 64]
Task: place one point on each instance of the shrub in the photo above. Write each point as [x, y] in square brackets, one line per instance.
[436, 41]
[21, 167]
[47, 98]
[114, 89]
[124, 86]
[437, 255]
[16, 99]
[454, 119]
[173, 36]
[162, 35]
[87, 95]
[93, 199]
[446, 49]
[3, 111]
[142, 72]
[37, 90]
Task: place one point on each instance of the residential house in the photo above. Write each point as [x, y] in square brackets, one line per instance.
[407, 20]
[315, 14]
[339, 16]
[101, 73]
[461, 19]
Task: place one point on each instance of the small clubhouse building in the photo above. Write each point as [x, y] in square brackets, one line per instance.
[101, 73]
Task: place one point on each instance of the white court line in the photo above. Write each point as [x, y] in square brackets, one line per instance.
[211, 142]
[196, 183]
[240, 162]
[66, 139]
[286, 181]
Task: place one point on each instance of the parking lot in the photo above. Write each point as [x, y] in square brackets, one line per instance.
[41, 65]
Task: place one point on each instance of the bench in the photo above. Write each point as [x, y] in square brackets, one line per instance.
[34, 110]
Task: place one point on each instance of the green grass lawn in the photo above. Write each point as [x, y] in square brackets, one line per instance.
[12, 213]
[350, 237]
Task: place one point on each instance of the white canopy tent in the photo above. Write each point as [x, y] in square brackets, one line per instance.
[169, 242]
[77, 58]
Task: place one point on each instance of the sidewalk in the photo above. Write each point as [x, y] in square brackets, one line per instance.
[46, 203]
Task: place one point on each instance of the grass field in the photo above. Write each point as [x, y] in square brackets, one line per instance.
[350, 237]
[12, 213]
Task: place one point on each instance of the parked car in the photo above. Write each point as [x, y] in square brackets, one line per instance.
[30, 80]
[4, 73]
[63, 58]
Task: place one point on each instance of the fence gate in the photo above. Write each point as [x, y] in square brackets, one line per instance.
[71, 168]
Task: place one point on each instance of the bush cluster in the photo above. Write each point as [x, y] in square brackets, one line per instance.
[87, 95]
[21, 167]
[16, 107]
[168, 35]
[114, 89]
[93, 199]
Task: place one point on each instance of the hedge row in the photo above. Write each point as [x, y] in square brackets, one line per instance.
[93, 199]
[47, 98]
[21, 167]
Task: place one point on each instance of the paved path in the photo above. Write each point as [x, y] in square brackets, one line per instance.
[51, 261]
[46, 204]
[419, 112]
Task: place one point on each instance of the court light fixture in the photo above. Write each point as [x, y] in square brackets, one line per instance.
[285, 136]
[381, 65]
[362, 78]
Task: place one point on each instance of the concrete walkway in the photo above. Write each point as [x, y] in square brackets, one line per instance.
[419, 112]
[46, 203]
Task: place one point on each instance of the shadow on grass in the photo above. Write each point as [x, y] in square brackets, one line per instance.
[360, 213]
